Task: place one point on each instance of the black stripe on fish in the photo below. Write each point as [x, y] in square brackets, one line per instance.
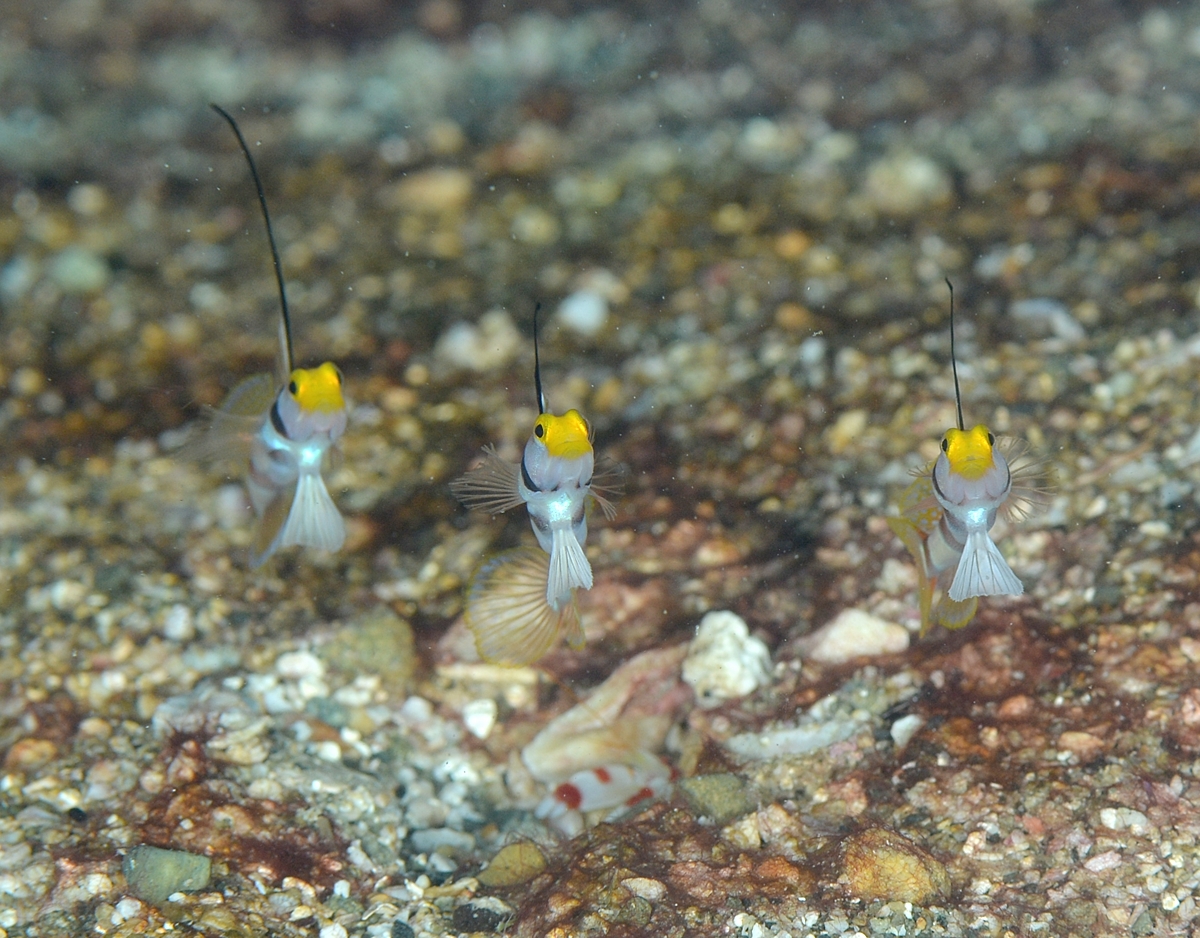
[277, 421]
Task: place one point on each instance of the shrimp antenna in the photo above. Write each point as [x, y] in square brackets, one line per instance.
[537, 363]
[286, 322]
[953, 361]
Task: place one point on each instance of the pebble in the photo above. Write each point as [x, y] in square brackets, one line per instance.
[479, 716]
[491, 344]
[724, 661]
[1042, 316]
[79, 271]
[720, 797]
[584, 313]
[882, 864]
[646, 888]
[854, 633]
[905, 184]
[155, 874]
[512, 865]
[535, 226]
[903, 730]
[433, 190]
[483, 914]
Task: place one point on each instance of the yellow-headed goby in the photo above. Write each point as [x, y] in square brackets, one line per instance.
[522, 600]
[947, 514]
[283, 434]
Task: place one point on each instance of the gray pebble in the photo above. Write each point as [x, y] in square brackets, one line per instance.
[155, 874]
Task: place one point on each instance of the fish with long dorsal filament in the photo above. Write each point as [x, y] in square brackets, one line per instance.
[282, 430]
[946, 515]
[522, 600]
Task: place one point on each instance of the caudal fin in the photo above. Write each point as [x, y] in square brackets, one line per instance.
[314, 520]
[569, 567]
[982, 571]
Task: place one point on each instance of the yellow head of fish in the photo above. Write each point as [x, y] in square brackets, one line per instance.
[318, 389]
[565, 437]
[969, 451]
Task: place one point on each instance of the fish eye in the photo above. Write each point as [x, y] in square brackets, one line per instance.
[539, 431]
[293, 388]
[945, 444]
[991, 440]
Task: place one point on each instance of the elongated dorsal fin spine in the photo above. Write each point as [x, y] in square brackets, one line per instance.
[285, 327]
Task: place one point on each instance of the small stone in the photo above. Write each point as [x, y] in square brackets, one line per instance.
[905, 728]
[1042, 316]
[437, 191]
[853, 634]
[646, 888]
[479, 716]
[29, 753]
[1084, 746]
[483, 914]
[720, 797]
[724, 661]
[401, 929]
[155, 874]
[882, 864]
[297, 665]
[1015, 708]
[444, 840]
[535, 226]
[846, 430]
[514, 864]
[376, 642]
[491, 344]
[77, 270]
[178, 624]
[584, 313]
[904, 184]
[333, 930]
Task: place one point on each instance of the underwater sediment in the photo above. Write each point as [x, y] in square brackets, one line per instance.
[739, 222]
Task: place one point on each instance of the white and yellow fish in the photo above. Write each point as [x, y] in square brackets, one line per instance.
[947, 514]
[522, 600]
[283, 431]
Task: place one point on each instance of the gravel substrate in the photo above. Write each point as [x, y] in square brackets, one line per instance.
[739, 219]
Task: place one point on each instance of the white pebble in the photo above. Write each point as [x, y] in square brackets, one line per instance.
[905, 728]
[178, 625]
[491, 344]
[724, 661]
[906, 183]
[333, 930]
[295, 665]
[479, 716]
[127, 908]
[1103, 861]
[584, 313]
[853, 633]
[78, 270]
[1045, 316]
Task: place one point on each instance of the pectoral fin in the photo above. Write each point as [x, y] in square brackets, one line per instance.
[491, 486]
[274, 516]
